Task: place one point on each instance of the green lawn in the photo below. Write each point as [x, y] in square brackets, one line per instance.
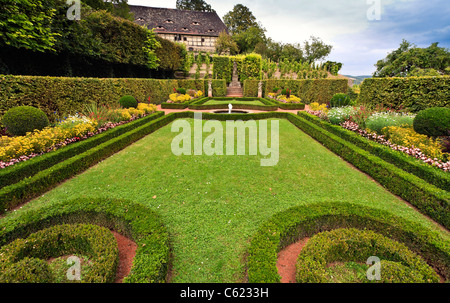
[233, 102]
[212, 205]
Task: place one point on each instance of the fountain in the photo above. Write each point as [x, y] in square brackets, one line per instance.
[230, 108]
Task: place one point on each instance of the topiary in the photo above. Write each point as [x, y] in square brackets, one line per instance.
[22, 119]
[433, 122]
[340, 100]
[181, 91]
[128, 101]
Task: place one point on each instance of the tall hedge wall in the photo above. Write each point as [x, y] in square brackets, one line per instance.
[68, 95]
[311, 90]
[248, 67]
[414, 93]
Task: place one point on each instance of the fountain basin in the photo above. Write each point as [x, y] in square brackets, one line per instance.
[225, 111]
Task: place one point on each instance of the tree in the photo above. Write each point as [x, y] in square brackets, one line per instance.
[226, 45]
[409, 60]
[316, 50]
[247, 40]
[118, 8]
[194, 5]
[27, 24]
[239, 19]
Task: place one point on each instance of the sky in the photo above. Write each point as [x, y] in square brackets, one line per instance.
[360, 31]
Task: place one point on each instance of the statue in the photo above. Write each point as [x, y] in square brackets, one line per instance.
[260, 89]
[210, 91]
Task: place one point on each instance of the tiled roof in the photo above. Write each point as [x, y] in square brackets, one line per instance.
[168, 20]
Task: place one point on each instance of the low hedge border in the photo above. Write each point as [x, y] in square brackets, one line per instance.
[183, 105]
[19, 171]
[288, 106]
[428, 198]
[289, 226]
[412, 165]
[200, 105]
[28, 188]
[398, 263]
[95, 242]
[130, 219]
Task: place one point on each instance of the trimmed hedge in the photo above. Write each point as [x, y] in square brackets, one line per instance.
[429, 199]
[398, 263]
[288, 106]
[414, 93]
[289, 226]
[183, 105]
[22, 170]
[130, 219]
[59, 97]
[200, 104]
[311, 90]
[410, 164]
[97, 243]
[28, 188]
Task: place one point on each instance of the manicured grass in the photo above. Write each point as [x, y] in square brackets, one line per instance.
[233, 102]
[213, 205]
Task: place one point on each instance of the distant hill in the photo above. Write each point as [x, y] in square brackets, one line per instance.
[358, 79]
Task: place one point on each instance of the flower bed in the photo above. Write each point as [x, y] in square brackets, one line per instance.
[73, 129]
[419, 146]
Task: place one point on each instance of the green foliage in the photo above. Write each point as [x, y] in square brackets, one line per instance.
[298, 222]
[171, 55]
[194, 5]
[226, 45]
[428, 198]
[222, 68]
[433, 122]
[150, 47]
[409, 60]
[98, 243]
[22, 119]
[378, 121]
[353, 245]
[316, 50]
[239, 19]
[126, 217]
[340, 100]
[51, 93]
[27, 24]
[251, 67]
[412, 93]
[26, 270]
[117, 8]
[128, 101]
[248, 39]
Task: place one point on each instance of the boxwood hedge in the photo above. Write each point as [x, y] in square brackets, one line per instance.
[96, 243]
[289, 226]
[398, 263]
[410, 164]
[130, 219]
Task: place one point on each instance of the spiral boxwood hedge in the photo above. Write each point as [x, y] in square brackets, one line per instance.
[398, 263]
[289, 226]
[96, 243]
[130, 219]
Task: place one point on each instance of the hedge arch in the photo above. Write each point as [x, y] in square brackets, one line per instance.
[298, 222]
[130, 219]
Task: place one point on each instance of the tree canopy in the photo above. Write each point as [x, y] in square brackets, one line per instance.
[409, 60]
[239, 19]
[194, 5]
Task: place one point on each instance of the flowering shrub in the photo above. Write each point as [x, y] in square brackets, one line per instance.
[178, 98]
[339, 115]
[377, 121]
[73, 129]
[285, 98]
[42, 140]
[412, 150]
[315, 106]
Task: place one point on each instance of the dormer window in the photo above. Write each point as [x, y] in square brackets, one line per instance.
[140, 19]
[168, 21]
[185, 28]
[195, 23]
[160, 27]
[210, 31]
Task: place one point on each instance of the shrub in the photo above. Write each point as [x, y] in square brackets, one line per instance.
[95, 242]
[339, 115]
[318, 107]
[340, 100]
[433, 122]
[128, 101]
[181, 91]
[353, 245]
[377, 121]
[23, 119]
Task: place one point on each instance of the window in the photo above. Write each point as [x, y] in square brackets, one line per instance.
[210, 31]
[140, 19]
[195, 23]
[160, 27]
[168, 21]
[184, 39]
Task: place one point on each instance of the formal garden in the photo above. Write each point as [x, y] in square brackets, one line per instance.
[91, 189]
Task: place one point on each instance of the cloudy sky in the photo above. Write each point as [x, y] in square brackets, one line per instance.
[361, 31]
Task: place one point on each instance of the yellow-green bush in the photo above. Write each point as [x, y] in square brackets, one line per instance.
[406, 136]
